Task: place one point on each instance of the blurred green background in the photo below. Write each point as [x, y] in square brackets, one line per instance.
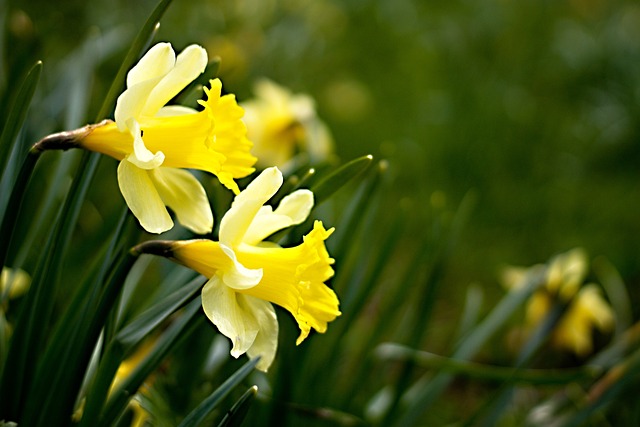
[533, 107]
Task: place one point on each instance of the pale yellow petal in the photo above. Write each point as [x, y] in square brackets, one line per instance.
[296, 206]
[142, 157]
[235, 321]
[266, 343]
[143, 198]
[293, 209]
[130, 103]
[175, 110]
[190, 63]
[238, 276]
[319, 143]
[184, 194]
[246, 205]
[157, 62]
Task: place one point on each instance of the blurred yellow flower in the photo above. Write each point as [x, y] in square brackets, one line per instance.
[587, 309]
[280, 124]
[155, 142]
[14, 282]
[126, 368]
[247, 274]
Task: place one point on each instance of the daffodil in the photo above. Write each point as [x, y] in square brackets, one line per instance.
[246, 274]
[155, 143]
[280, 124]
[586, 308]
[14, 282]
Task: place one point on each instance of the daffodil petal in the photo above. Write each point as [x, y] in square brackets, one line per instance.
[296, 205]
[184, 194]
[142, 157]
[143, 198]
[175, 110]
[141, 80]
[246, 205]
[130, 103]
[266, 342]
[292, 210]
[157, 62]
[190, 63]
[231, 316]
[239, 277]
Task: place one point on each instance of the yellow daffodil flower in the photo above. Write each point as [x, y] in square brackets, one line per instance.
[564, 280]
[589, 309]
[14, 282]
[247, 274]
[154, 142]
[280, 124]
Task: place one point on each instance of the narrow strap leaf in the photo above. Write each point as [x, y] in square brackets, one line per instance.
[179, 331]
[425, 396]
[336, 180]
[198, 415]
[424, 359]
[76, 336]
[12, 211]
[239, 410]
[18, 113]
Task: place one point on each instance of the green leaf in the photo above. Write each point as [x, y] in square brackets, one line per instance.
[140, 43]
[427, 394]
[621, 378]
[125, 342]
[18, 113]
[198, 415]
[336, 180]
[133, 333]
[76, 335]
[239, 410]
[423, 359]
[180, 330]
[12, 211]
[356, 209]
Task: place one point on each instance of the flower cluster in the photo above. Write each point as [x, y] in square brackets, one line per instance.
[156, 144]
[586, 308]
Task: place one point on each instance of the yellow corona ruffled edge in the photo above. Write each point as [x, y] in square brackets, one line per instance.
[228, 135]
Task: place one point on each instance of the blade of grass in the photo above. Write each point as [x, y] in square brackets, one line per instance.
[424, 359]
[470, 345]
[77, 333]
[18, 113]
[126, 340]
[620, 378]
[12, 212]
[20, 359]
[197, 416]
[239, 410]
[336, 180]
[176, 333]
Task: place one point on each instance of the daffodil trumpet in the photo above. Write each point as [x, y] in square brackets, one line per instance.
[246, 273]
[154, 143]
